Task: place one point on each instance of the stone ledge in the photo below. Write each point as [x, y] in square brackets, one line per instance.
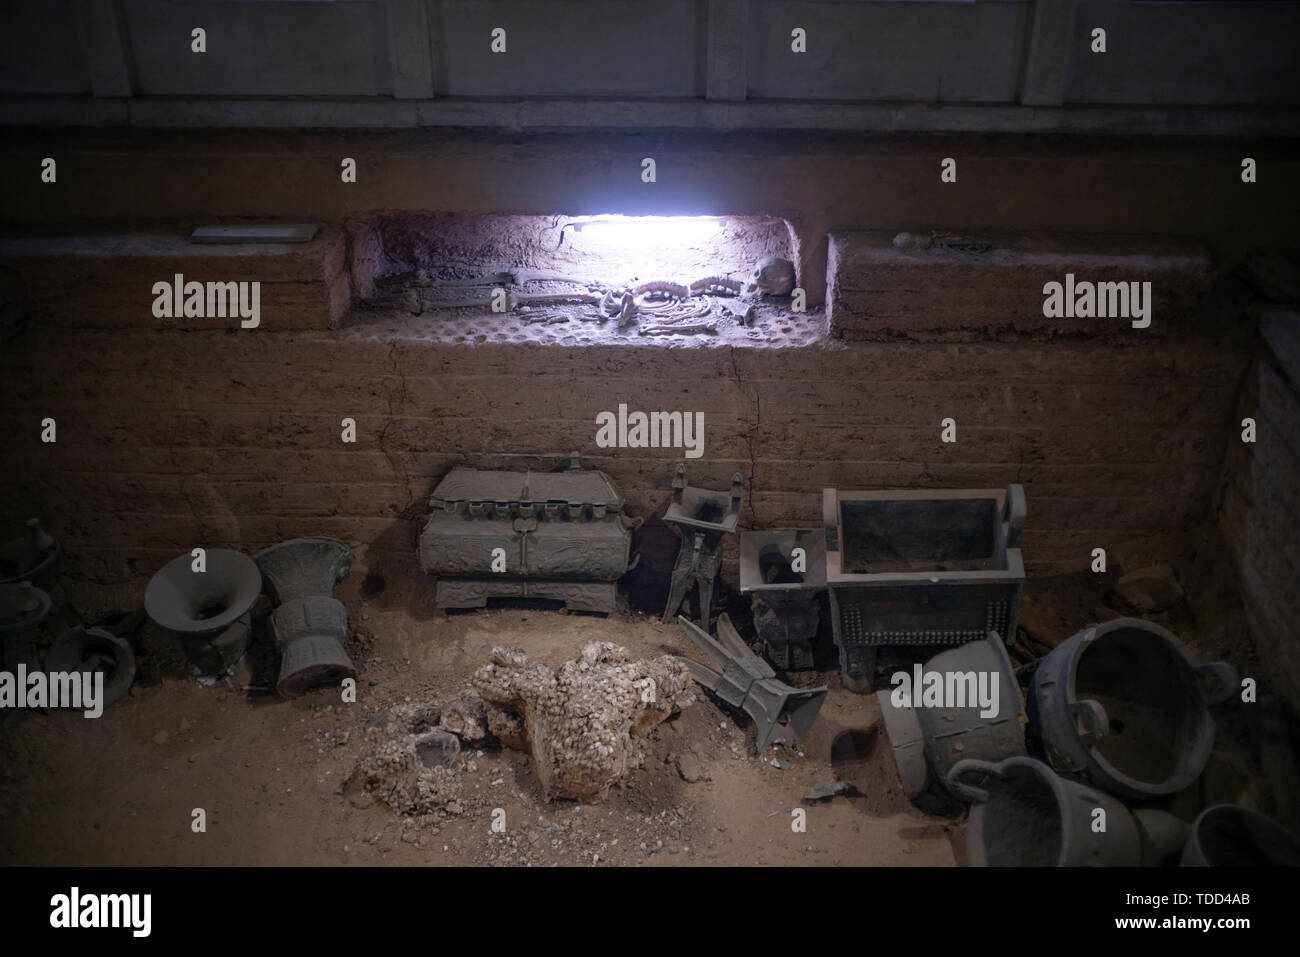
[107, 281]
[990, 286]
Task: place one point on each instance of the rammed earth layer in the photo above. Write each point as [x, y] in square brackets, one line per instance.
[233, 438]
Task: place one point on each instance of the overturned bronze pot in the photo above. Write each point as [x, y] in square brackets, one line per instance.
[1122, 705]
[82, 649]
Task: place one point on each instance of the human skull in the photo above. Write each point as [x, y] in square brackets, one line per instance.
[772, 276]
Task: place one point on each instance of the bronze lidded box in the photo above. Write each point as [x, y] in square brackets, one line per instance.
[505, 534]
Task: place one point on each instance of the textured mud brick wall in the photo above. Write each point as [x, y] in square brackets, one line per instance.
[168, 439]
[98, 280]
[1259, 507]
[985, 285]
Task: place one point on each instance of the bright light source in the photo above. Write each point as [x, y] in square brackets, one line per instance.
[629, 232]
[616, 249]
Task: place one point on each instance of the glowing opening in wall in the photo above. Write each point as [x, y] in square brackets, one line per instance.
[666, 247]
[575, 279]
[631, 233]
[436, 259]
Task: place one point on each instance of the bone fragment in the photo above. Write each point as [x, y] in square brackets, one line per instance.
[627, 311]
[678, 330]
[718, 285]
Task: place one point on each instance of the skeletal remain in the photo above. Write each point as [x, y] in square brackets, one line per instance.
[717, 285]
[524, 277]
[661, 287]
[668, 303]
[700, 312]
[627, 311]
[610, 304]
[684, 311]
[513, 301]
[516, 277]
[657, 305]
[678, 330]
[745, 318]
[678, 311]
[554, 298]
[772, 276]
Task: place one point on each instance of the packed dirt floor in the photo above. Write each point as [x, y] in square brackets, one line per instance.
[272, 775]
[269, 772]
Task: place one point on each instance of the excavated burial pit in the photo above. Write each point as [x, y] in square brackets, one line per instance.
[427, 264]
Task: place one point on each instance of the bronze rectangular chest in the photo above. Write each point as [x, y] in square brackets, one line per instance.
[504, 534]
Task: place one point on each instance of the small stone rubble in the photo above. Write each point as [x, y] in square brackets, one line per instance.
[410, 759]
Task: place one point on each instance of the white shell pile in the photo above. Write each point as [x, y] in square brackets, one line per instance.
[584, 721]
[391, 768]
